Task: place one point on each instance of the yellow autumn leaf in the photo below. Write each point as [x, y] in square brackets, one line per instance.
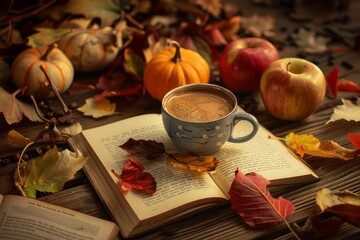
[308, 144]
[15, 139]
[97, 109]
[192, 162]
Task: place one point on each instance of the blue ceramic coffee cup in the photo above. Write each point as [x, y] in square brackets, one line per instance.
[201, 128]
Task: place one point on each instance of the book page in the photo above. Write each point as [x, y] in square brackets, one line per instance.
[174, 187]
[26, 218]
[263, 155]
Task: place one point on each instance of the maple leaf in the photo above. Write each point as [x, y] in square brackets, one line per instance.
[48, 173]
[13, 109]
[343, 204]
[316, 228]
[259, 26]
[250, 198]
[97, 109]
[212, 6]
[348, 111]
[308, 144]
[354, 139]
[133, 177]
[192, 162]
[151, 149]
[309, 42]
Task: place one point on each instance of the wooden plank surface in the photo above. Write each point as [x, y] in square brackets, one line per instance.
[223, 223]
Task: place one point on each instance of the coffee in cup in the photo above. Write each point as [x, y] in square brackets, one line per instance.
[199, 118]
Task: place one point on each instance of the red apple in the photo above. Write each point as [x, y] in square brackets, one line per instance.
[292, 88]
[243, 61]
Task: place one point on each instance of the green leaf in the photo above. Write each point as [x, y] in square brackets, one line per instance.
[48, 173]
[47, 36]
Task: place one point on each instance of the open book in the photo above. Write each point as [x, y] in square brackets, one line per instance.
[27, 218]
[179, 193]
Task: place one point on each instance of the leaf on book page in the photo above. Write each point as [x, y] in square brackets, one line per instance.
[343, 204]
[354, 139]
[73, 129]
[250, 198]
[97, 109]
[349, 111]
[14, 109]
[48, 173]
[15, 139]
[149, 148]
[308, 144]
[134, 177]
[192, 162]
[316, 228]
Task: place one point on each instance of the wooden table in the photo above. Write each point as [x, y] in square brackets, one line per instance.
[224, 223]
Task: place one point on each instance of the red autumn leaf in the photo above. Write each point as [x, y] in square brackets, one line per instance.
[151, 149]
[121, 93]
[133, 177]
[348, 85]
[250, 198]
[316, 228]
[332, 81]
[354, 139]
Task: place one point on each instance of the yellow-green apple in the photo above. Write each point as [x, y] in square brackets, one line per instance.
[243, 61]
[292, 88]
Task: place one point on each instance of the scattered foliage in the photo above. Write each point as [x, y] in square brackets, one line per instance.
[250, 198]
[308, 144]
[309, 42]
[334, 84]
[134, 177]
[14, 109]
[98, 109]
[259, 26]
[49, 172]
[349, 111]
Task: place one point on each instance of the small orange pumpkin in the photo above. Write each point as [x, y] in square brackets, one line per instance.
[174, 67]
[26, 72]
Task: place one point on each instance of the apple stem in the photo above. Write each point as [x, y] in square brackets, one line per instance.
[177, 56]
[287, 66]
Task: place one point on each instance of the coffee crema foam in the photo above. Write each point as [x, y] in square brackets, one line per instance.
[198, 106]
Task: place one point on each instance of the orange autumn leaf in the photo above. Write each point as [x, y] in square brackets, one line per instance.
[192, 162]
[308, 144]
[134, 177]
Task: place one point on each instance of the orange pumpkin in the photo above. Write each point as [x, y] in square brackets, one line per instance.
[26, 72]
[174, 67]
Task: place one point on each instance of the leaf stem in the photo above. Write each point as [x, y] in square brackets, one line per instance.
[291, 230]
[18, 164]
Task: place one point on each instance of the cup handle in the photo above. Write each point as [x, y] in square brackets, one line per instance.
[247, 117]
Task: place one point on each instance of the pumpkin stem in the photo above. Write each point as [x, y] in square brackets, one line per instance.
[50, 48]
[177, 56]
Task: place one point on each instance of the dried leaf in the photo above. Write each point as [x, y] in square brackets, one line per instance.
[259, 26]
[48, 173]
[134, 64]
[212, 6]
[332, 82]
[133, 177]
[15, 139]
[348, 111]
[354, 139]
[344, 204]
[193, 163]
[309, 42]
[155, 46]
[97, 109]
[47, 36]
[250, 198]
[308, 144]
[348, 85]
[151, 149]
[73, 129]
[316, 228]
[228, 28]
[13, 109]
[127, 92]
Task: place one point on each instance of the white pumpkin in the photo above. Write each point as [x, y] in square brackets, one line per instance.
[91, 49]
[26, 72]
